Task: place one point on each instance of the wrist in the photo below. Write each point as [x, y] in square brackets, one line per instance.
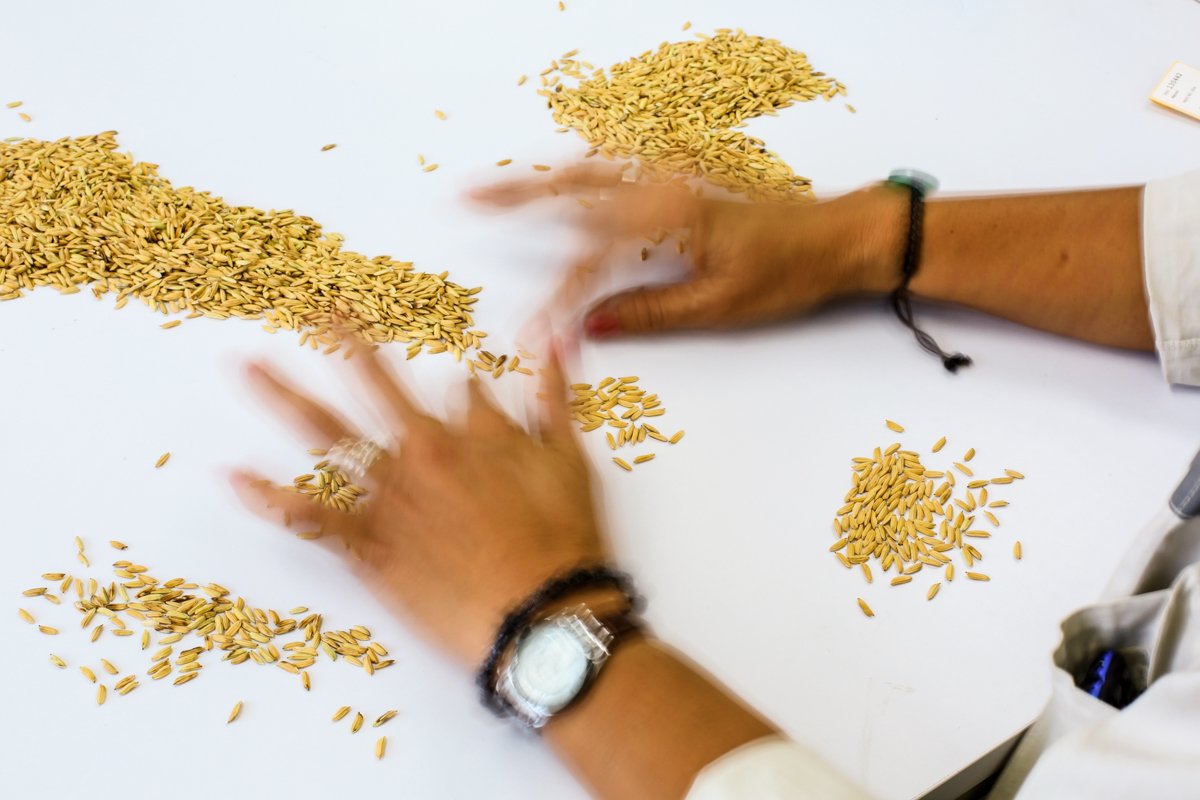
[555, 660]
[881, 237]
[604, 602]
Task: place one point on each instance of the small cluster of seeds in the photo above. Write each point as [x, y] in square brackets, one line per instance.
[675, 109]
[329, 486]
[619, 403]
[176, 609]
[357, 723]
[488, 363]
[78, 213]
[904, 517]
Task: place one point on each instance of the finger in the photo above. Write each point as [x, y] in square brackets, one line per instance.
[285, 507]
[652, 309]
[575, 286]
[302, 410]
[311, 520]
[484, 419]
[634, 209]
[618, 208]
[390, 396]
[555, 421]
[573, 179]
[653, 208]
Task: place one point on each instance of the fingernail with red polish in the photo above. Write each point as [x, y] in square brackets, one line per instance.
[602, 324]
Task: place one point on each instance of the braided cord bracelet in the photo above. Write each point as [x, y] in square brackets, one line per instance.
[918, 185]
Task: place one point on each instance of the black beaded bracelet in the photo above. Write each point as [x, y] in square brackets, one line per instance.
[918, 184]
[552, 590]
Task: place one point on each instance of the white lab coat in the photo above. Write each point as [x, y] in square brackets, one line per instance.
[1081, 747]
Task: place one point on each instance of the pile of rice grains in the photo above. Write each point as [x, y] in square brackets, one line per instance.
[183, 623]
[78, 213]
[675, 111]
[620, 404]
[906, 518]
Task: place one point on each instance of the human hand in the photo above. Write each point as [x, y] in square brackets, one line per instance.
[461, 521]
[750, 263]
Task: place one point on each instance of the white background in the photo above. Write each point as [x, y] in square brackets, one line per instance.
[727, 532]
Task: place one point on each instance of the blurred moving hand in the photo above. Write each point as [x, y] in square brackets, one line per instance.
[461, 521]
[749, 263]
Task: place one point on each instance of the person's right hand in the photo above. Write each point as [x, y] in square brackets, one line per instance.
[749, 263]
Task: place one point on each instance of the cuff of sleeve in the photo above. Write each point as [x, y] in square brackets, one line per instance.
[772, 768]
[1171, 249]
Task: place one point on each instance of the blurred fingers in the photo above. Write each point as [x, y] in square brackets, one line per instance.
[389, 394]
[304, 412]
[332, 529]
[652, 309]
[572, 180]
[283, 507]
[619, 207]
[576, 285]
[554, 420]
[484, 419]
[634, 209]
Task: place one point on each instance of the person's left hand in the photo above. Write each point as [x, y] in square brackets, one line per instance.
[460, 522]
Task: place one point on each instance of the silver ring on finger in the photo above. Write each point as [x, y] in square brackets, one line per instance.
[355, 457]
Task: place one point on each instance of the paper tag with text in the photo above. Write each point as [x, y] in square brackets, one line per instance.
[1179, 90]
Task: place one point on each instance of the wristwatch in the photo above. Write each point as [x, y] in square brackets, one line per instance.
[554, 661]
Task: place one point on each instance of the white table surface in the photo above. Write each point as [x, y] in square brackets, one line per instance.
[727, 533]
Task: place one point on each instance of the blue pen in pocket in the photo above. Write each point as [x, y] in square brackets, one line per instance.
[1109, 678]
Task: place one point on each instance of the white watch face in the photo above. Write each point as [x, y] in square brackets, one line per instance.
[551, 666]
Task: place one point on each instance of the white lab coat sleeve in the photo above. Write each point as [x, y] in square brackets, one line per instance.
[1171, 254]
[772, 768]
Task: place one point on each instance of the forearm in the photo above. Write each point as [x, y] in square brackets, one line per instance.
[1068, 262]
[649, 724]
